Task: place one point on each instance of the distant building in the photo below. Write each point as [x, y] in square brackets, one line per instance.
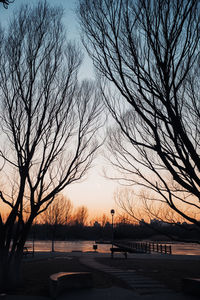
[158, 222]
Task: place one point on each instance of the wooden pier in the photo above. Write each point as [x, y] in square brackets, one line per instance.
[144, 247]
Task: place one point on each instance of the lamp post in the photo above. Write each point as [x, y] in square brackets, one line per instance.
[112, 214]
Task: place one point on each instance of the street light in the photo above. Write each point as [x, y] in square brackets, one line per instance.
[112, 214]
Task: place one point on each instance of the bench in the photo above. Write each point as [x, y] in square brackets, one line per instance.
[62, 281]
[118, 250]
[191, 286]
[26, 252]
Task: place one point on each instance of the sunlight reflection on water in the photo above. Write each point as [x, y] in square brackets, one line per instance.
[68, 246]
[85, 246]
[186, 249]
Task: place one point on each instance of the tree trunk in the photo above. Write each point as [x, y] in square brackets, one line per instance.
[53, 239]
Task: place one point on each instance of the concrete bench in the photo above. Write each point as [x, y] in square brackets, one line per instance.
[62, 281]
[118, 250]
[191, 286]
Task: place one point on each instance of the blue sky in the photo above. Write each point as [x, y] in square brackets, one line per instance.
[70, 21]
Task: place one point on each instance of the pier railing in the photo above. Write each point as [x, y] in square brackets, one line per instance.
[144, 247]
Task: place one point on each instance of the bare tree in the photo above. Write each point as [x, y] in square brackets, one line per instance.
[6, 2]
[49, 122]
[123, 218]
[104, 220]
[59, 212]
[152, 214]
[149, 53]
[81, 215]
[130, 204]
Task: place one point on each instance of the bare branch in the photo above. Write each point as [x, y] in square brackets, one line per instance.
[49, 119]
[149, 53]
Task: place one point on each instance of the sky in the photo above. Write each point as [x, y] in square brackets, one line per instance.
[95, 191]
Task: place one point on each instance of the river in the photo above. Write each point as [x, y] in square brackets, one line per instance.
[85, 246]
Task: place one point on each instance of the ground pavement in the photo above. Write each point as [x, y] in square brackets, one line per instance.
[140, 287]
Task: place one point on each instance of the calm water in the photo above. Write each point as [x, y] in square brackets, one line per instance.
[185, 249]
[84, 246]
[68, 246]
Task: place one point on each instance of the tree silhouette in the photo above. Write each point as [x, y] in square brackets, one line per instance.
[81, 215]
[49, 123]
[58, 213]
[6, 2]
[148, 51]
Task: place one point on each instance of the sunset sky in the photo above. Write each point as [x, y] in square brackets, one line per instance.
[95, 191]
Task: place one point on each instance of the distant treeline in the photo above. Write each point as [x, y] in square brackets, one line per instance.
[121, 231]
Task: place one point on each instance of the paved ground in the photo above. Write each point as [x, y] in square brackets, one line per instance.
[140, 288]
